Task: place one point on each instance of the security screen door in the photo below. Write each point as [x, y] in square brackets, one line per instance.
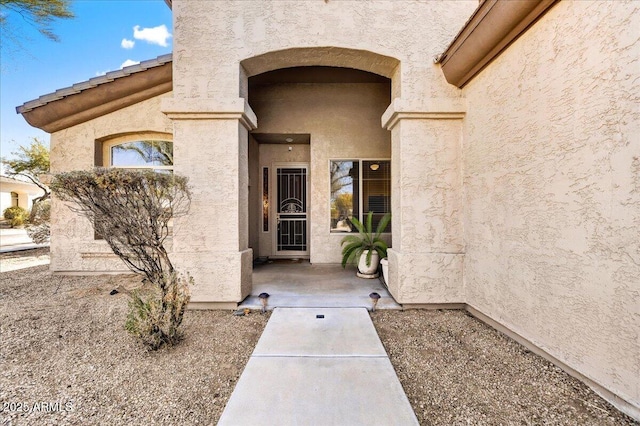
[291, 211]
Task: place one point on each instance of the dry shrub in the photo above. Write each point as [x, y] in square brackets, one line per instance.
[38, 228]
[132, 211]
[154, 318]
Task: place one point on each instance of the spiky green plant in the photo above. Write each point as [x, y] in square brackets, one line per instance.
[354, 245]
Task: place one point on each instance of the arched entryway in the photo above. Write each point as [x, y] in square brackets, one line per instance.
[328, 56]
[314, 106]
[315, 122]
[312, 100]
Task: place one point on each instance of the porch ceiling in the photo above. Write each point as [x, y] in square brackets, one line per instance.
[315, 74]
[282, 138]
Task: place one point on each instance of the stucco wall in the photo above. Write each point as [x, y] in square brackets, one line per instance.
[230, 31]
[218, 45]
[26, 193]
[73, 247]
[344, 123]
[5, 201]
[255, 196]
[552, 184]
[428, 247]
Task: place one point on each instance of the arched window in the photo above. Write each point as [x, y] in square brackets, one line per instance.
[140, 151]
[140, 154]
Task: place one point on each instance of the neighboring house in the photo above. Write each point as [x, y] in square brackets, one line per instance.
[511, 162]
[15, 192]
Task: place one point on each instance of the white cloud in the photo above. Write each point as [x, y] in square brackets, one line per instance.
[127, 44]
[156, 35]
[128, 63]
[100, 73]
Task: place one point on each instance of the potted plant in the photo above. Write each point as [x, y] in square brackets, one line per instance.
[367, 248]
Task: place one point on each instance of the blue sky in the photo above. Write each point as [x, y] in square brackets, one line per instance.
[90, 44]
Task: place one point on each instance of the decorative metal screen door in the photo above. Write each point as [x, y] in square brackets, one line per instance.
[291, 211]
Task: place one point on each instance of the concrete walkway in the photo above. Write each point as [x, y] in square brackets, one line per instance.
[319, 366]
[303, 285]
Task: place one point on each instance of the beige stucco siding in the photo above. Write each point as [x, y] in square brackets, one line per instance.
[343, 121]
[73, 246]
[219, 45]
[231, 31]
[428, 247]
[25, 191]
[552, 190]
[518, 195]
[255, 196]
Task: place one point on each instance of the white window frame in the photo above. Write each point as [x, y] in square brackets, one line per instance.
[108, 144]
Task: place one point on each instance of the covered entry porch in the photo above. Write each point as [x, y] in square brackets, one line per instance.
[300, 284]
[346, 106]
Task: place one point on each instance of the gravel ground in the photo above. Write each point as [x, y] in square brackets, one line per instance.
[63, 341]
[457, 370]
[64, 350]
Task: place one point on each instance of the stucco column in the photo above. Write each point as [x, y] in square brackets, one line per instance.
[211, 242]
[425, 261]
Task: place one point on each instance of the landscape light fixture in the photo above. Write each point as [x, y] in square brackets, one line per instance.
[263, 298]
[374, 300]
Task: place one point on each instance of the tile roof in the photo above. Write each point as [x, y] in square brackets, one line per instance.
[94, 82]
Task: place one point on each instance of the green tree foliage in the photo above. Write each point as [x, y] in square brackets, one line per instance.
[17, 216]
[40, 14]
[342, 204]
[132, 210]
[31, 162]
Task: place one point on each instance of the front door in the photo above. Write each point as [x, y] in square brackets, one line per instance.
[291, 236]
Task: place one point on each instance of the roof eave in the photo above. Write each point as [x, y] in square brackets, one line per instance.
[99, 96]
[491, 29]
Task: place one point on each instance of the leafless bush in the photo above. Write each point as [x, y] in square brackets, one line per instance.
[38, 228]
[132, 211]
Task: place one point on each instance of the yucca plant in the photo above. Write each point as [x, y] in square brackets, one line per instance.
[354, 245]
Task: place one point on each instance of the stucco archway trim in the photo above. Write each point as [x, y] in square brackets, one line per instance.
[210, 109]
[321, 56]
[433, 108]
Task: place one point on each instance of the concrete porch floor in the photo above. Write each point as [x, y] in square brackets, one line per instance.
[299, 284]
